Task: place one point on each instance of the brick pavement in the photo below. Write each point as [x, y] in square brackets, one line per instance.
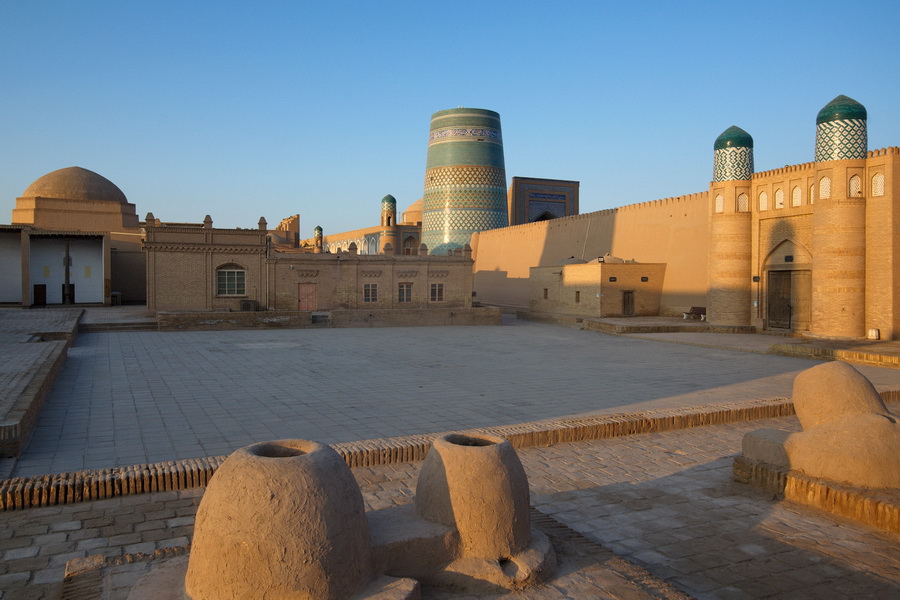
[665, 501]
[139, 397]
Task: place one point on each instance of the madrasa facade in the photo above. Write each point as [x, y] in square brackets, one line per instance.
[808, 248]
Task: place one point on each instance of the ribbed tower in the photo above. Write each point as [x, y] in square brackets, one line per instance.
[839, 220]
[729, 297]
[317, 240]
[465, 178]
[388, 225]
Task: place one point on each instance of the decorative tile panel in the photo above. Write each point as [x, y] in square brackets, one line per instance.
[733, 164]
[841, 140]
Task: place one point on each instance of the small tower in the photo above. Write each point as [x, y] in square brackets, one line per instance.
[839, 220]
[317, 240]
[388, 235]
[729, 296]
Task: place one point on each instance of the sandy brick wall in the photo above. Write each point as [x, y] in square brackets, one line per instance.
[672, 231]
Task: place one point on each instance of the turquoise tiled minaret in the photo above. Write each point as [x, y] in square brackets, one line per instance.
[388, 225]
[733, 155]
[465, 178]
[841, 130]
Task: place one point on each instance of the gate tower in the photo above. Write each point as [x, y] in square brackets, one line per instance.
[730, 252]
[839, 220]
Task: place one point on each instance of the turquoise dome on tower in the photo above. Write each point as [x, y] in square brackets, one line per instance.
[733, 137]
[388, 202]
[733, 155]
[318, 230]
[841, 131]
[841, 108]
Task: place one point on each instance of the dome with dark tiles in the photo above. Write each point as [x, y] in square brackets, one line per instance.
[841, 108]
[733, 137]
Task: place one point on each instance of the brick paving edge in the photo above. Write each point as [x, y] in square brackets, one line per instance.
[876, 508]
[96, 484]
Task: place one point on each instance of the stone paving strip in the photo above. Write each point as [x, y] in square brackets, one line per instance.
[665, 501]
[66, 488]
[129, 398]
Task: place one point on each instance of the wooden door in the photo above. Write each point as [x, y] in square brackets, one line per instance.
[306, 296]
[628, 303]
[778, 300]
[40, 294]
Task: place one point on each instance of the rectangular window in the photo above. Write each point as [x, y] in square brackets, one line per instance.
[577, 296]
[545, 293]
[404, 293]
[230, 282]
[437, 292]
[370, 292]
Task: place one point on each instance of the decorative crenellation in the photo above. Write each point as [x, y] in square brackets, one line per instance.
[786, 169]
[407, 274]
[841, 140]
[307, 273]
[883, 152]
[373, 273]
[204, 249]
[438, 274]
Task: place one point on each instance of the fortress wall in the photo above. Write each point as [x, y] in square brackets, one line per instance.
[672, 231]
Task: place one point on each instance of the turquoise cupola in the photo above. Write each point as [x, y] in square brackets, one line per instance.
[733, 155]
[841, 130]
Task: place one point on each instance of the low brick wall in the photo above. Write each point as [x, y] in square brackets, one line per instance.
[876, 508]
[194, 321]
[593, 324]
[851, 356]
[22, 416]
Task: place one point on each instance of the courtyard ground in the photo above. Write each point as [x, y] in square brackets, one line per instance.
[665, 501]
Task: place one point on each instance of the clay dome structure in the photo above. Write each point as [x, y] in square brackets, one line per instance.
[75, 183]
[413, 214]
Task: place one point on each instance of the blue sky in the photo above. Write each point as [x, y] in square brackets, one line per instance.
[249, 109]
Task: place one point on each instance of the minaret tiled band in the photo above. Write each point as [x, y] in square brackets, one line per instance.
[733, 155]
[841, 130]
[465, 178]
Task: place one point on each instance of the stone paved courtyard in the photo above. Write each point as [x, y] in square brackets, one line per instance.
[664, 501]
[138, 397]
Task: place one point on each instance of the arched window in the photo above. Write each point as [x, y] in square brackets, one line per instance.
[231, 280]
[743, 203]
[825, 188]
[763, 201]
[408, 244]
[779, 198]
[812, 194]
[878, 184]
[795, 196]
[720, 204]
[856, 186]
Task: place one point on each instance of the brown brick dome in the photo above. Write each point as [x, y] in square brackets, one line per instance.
[75, 183]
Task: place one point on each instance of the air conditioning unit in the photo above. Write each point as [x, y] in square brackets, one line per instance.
[249, 305]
